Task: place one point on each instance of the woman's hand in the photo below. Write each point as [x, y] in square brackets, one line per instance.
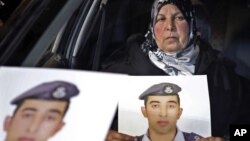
[211, 139]
[115, 136]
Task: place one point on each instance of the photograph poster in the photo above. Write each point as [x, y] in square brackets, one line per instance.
[42, 96]
[194, 104]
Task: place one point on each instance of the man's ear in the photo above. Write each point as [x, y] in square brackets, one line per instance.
[180, 112]
[7, 123]
[58, 128]
[144, 112]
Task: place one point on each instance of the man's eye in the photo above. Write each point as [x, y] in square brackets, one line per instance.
[51, 118]
[27, 115]
[171, 106]
[155, 106]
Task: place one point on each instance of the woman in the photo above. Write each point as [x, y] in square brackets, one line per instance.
[173, 47]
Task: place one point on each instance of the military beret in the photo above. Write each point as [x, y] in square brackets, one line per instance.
[55, 90]
[161, 89]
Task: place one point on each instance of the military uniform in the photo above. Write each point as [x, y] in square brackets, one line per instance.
[180, 136]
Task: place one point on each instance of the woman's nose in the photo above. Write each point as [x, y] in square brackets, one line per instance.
[169, 25]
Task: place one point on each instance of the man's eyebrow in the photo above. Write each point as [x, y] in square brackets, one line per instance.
[29, 109]
[154, 101]
[56, 111]
[172, 101]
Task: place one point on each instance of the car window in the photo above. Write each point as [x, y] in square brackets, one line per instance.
[28, 24]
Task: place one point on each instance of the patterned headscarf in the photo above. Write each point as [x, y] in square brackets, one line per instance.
[190, 53]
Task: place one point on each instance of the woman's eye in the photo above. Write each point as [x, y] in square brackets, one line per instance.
[180, 18]
[160, 19]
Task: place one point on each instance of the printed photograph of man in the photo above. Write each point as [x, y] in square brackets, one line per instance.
[162, 108]
[41, 104]
[39, 111]
[179, 104]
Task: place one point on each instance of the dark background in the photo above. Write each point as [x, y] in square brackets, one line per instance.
[223, 23]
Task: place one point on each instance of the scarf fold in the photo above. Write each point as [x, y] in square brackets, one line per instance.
[180, 63]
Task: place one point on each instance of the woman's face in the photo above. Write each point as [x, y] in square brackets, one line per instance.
[171, 29]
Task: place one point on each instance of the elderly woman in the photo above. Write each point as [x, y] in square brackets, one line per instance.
[173, 47]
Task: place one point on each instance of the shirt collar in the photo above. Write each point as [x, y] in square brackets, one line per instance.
[179, 136]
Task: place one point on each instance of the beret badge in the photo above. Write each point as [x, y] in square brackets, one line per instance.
[168, 89]
[59, 93]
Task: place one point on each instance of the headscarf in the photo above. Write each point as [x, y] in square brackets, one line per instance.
[180, 63]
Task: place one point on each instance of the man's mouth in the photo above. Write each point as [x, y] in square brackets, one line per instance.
[162, 122]
[26, 139]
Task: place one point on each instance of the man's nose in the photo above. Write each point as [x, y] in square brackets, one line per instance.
[163, 111]
[34, 125]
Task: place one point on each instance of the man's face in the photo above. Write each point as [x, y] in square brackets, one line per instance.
[162, 113]
[35, 120]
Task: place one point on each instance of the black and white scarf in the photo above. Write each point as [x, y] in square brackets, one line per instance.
[180, 63]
